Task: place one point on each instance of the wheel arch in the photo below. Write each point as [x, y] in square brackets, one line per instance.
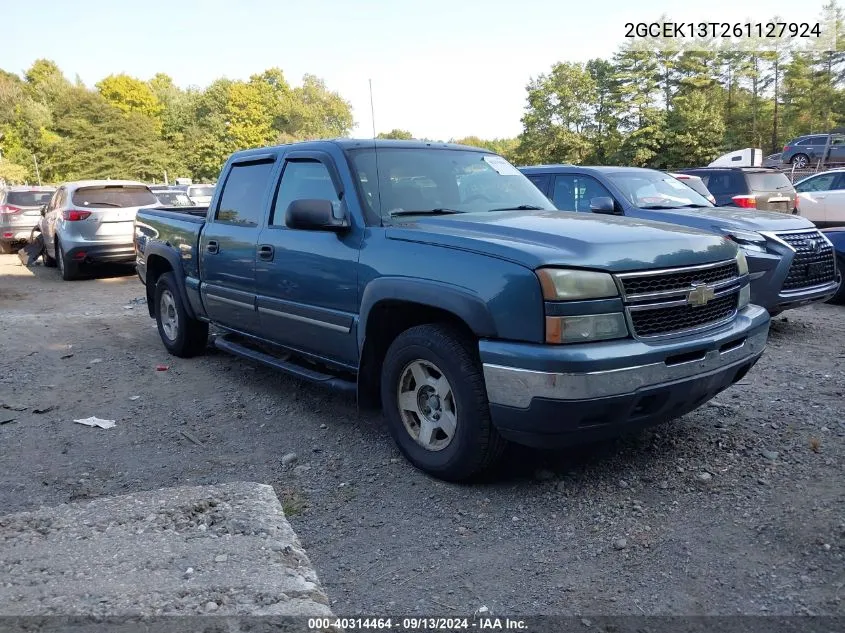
[159, 261]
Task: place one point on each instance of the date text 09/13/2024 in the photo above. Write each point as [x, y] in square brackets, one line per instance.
[417, 624]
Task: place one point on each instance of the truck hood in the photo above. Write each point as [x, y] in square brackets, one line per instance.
[727, 218]
[540, 238]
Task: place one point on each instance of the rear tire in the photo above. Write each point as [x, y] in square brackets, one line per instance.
[181, 335]
[68, 267]
[458, 402]
[839, 297]
[800, 161]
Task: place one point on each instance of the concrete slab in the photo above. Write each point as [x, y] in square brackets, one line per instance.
[221, 550]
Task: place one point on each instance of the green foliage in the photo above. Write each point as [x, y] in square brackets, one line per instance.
[12, 173]
[396, 133]
[128, 128]
[665, 107]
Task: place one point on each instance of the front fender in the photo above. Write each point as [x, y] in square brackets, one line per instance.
[437, 294]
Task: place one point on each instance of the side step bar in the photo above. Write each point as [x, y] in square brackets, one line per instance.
[311, 375]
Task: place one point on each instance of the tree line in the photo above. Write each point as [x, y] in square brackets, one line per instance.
[654, 106]
[55, 130]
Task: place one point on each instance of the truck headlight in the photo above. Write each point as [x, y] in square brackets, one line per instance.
[559, 284]
[742, 263]
[585, 328]
[747, 240]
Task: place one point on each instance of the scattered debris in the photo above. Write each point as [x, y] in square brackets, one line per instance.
[45, 409]
[704, 477]
[134, 397]
[620, 543]
[288, 459]
[815, 444]
[162, 367]
[68, 355]
[13, 407]
[6, 419]
[94, 421]
[221, 558]
[94, 361]
[190, 437]
[770, 455]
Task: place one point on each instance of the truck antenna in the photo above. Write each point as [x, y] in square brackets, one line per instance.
[375, 152]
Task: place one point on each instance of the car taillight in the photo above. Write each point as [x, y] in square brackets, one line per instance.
[797, 200]
[9, 209]
[745, 202]
[74, 215]
[786, 148]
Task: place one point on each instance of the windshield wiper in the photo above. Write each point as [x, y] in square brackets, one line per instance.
[440, 211]
[96, 205]
[521, 207]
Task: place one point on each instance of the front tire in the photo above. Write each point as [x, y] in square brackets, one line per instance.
[67, 267]
[181, 335]
[435, 403]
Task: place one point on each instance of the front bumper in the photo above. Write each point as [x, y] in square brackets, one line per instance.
[768, 271]
[102, 253]
[543, 395]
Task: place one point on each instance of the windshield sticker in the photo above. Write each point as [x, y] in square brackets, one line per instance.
[677, 184]
[501, 166]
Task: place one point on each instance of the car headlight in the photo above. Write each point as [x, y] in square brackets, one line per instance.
[559, 284]
[747, 240]
[585, 328]
[741, 263]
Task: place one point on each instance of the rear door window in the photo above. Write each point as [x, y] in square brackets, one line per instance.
[775, 181]
[113, 196]
[541, 181]
[243, 194]
[727, 182]
[28, 198]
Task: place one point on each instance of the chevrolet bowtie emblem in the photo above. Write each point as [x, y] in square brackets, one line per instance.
[700, 294]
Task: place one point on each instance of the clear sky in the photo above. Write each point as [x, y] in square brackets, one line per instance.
[440, 68]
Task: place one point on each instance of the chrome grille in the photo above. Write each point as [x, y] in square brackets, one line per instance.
[667, 302]
[680, 280]
[684, 317]
[814, 260]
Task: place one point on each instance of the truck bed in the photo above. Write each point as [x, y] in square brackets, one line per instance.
[195, 214]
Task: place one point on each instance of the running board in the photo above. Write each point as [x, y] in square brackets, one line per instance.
[311, 375]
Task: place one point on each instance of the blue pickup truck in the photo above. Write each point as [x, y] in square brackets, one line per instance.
[791, 262]
[435, 281]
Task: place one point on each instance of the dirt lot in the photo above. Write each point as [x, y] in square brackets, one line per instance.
[736, 508]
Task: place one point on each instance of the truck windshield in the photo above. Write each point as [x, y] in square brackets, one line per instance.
[655, 190]
[433, 180]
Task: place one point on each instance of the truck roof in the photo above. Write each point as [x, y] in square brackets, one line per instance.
[352, 143]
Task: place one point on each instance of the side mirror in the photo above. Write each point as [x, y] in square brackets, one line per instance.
[315, 215]
[604, 204]
[43, 210]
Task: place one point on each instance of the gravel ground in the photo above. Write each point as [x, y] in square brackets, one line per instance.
[738, 507]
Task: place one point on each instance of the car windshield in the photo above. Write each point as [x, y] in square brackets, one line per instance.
[423, 181]
[774, 181]
[173, 198]
[201, 192]
[654, 190]
[113, 196]
[28, 198]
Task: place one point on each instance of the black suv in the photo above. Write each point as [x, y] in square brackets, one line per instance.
[748, 188]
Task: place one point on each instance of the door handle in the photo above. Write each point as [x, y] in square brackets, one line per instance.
[212, 246]
[266, 252]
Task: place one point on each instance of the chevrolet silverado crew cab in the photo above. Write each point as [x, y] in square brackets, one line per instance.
[437, 282]
[791, 262]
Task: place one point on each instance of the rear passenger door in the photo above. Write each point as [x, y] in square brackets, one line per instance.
[228, 244]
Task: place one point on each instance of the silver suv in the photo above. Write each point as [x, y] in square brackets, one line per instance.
[20, 211]
[92, 221]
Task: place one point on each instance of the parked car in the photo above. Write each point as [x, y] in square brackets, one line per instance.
[171, 198]
[836, 235]
[823, 198]
[748, 187]
[808, 150]
[791, 263]
[473, 315]
[200, 194]
[696, 184]
[773, 160]
[92, 221]
[20, 211]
